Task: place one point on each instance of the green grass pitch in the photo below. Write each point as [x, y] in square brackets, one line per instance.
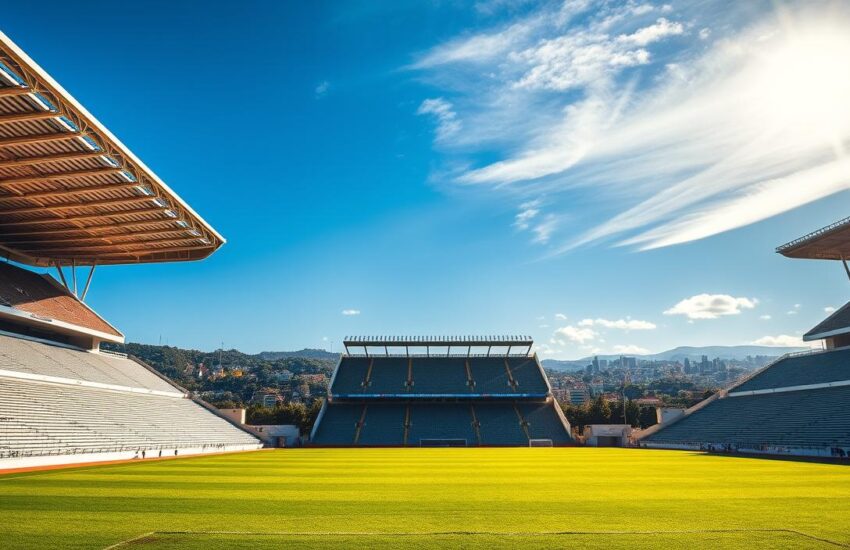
[420, 498]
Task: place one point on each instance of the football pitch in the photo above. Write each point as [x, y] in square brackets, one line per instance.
[423, 498]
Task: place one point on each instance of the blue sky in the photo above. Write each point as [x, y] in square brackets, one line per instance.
[607, 177]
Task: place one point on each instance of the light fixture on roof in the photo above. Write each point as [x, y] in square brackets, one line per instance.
[9, 76]
[41, 101]
[89, 142]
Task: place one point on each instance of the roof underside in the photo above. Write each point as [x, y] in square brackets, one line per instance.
[71, 193]
[828, 243]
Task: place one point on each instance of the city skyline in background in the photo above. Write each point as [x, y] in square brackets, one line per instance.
[611, 178]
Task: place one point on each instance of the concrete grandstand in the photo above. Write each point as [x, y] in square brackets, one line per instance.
[416, 392]
[71, 196]
[797, 404]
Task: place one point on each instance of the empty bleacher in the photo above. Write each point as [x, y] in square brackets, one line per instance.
[490, 375]
[32, 357]
[46, 419]
[389, 375]
[338, 424]
[815, 368]
[50, 404]
[499, 424]
[351, 378]
[429, 398]
[383, 424]
[441, 421]
[816, 418]
[526, 373]
[543, 422]
[440, 375]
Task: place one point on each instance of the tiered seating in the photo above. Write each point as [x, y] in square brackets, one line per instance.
[817, 368]
[543, 422]
[21, 355]
[433, 396]
[444, 375]
[490, 375]
[441, 421]
[351, 374]
[383, 425]
[42, 419]
[338, 424]
[527, 375]
[499, 424]
[809, 418]
[389, 375]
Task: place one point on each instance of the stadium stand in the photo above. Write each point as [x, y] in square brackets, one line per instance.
[72, 196]
[796, 405]
[419, 399]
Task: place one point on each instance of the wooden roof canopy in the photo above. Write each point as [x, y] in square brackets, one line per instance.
[71, 193]
[828, 243]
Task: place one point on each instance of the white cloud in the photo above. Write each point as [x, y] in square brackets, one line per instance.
[676, 140]
[711, 306]
[527, 212]
[829, 309]
[765, 317]
[661, 29]
[322, 89]
[783, 340]
[576, 334]
[560, 317]
[543, 230]
[622, 324]
[443, 111]
[631, 349]
[350, 312]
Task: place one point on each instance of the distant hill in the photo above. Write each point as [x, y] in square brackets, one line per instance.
[680, 353]
[306, 353]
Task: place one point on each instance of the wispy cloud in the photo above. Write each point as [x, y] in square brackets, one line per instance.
[711, 306]
[442, 111]
[322, 89]
[350, 312]
[783, 340]
[631, 349]
[622, 324]
[681, 123]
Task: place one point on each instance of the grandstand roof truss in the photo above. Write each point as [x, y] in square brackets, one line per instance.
[71, 193]
[434, 346]
[827, 243]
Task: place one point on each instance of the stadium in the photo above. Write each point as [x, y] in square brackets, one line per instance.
[422, 442]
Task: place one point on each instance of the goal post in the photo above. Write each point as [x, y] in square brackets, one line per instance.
[540, 443]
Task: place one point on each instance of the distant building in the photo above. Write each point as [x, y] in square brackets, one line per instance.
[578, 396]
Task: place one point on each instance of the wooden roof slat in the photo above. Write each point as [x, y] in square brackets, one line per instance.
[79, 205]
[115, 237]
[45, 159]
[127, 245]
[38, 138]
[90, 228]
[29, 116]
[71, 192]
[84, 217]
[15, 90]
[58, 176]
